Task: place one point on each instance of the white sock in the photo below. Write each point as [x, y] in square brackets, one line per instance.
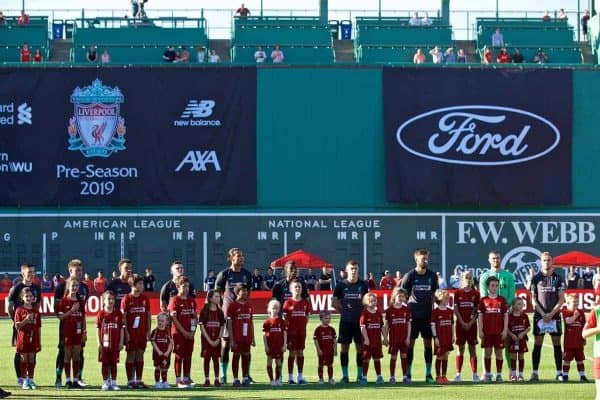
[558, 372]
[300, 376]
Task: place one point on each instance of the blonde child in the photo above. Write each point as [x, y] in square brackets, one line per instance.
[396, 333]
[518, 327]
[325, 343]
[295, 312]
[573, 341]
[442, 319]
[371, 322]
[162, 347]
[275, 340]
[466, 302]
[28, 323]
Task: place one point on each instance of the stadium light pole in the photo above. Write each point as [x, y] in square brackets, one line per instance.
[497, 7]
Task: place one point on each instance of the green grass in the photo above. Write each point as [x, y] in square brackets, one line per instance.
[261, 390]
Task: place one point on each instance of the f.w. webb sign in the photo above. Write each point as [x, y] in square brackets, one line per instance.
[478, 136]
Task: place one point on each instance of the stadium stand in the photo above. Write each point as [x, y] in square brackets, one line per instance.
[303, 40]
[12, 37]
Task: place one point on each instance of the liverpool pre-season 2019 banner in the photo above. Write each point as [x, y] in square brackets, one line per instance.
[127, 136]
[480, 136]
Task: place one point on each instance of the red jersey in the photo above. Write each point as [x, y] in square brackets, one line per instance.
[37, 57]
[387, 283]
[25, 55]
[443, 320]
[28, 336]
[518, 324]
[73, 324]
[572, 336]
[5, 285]
[87, 282]
[100, 285]
[185, 312]
[135, 309]
[296, 314]
[212, 321]
[326, 337]
[162, 338]
[373, 322]
[398, 320]
[274, 329]
[493, 311]
[467, 303]
[240, 315]
[109, 328]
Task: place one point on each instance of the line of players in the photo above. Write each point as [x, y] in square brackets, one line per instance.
[496, 324]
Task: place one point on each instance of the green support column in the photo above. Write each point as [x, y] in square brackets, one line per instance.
[323, 11]
[446, 12]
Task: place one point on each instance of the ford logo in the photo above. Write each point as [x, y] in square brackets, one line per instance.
[478, 135]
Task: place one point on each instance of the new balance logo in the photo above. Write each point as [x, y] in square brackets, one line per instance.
[199, 161]
[24, 114]
[198, 109]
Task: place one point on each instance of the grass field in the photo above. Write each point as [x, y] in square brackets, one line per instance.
[548, 388]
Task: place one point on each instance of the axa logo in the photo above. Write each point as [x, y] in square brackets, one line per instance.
[24, 114]
[199, 161]
[196, 113]
[479, 135]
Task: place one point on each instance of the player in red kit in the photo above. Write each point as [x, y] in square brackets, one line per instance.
[135, 307]
[466, 303]
[326, 345]
[518, 327]
[212, 324]
[71, 313]
[28, 323]
[111, 334]
[275, 340]
[493, 327]
[396, 333]
[371, 322]
[295, 312]
[573, 341]
[442, 319]
[239, 324]
[162, 347]
[183, 317]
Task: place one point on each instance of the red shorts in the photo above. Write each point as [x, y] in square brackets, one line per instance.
[326, 359]
[577, 354]
[275, 355]
[240, 347]
[209, 351]
[137, 342]
[161, 362]
[522, 346]
[296, 342]
[369, 352]
[442, 349]
[466, 336]
[108, 356]
[596, 368]
[26, 346]
[182, 346]
[394, 348]
[494, 341]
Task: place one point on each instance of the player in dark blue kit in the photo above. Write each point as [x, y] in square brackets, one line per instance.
[420, 284]
[347, 300]
[120, 286]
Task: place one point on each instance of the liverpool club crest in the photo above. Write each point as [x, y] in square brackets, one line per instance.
[97, 128]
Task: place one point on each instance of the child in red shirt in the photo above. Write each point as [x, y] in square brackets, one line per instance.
[241, 329]
[396, 333]
[162, 346]
[371, 322]
[183, 327]
[466, 302]
[518, 327]
[275, 339]
[135, 307]
[493, 328]
[325, 342]
[442, 319]
[295, 312]
[28, 323]
[71, 313]
[573, 341]
[111, 334]
[212, 324]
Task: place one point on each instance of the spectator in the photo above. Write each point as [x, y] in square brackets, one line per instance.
[259, 55]
[2, 19]
[23, 18]
[58, 279]
[398, 277]
[462, 58]
[387, 282]
[135, 8]
[503, 57]
[562, 14]
[25, 53]
[436, 55]
[540, 57]
[37, 56]
[546, 16]
[325, 280]
[257, 280]
[92, 54]
[371, 281]
[209, 281]
[530, 274]
[572, 278]
[213, 57]
[426, 21]
[311, 280]
[517, 57]
[141, 13]
[455, 279]
[169, 55]
[6, 284]
[200, 55]
[588, 278]
[584, 24]
[497, 39]
[441, 281]
[105, 57]
[343, 274]
[419, 57]
[277, 55]
[487, 56]
[100, 283]
[414, 20]
[149, 280]
[184, 55]
[270, 279]
[449, 56]
[87, 281]
[242, 11]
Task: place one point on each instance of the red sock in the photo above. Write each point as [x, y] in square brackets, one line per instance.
[330, 371]
[392, 366]
[377, 364]
[459, 363]
[187, 365]
[300, 361]
[67, 368]
[580, 367]
[216, 366]
[113, 371]
[139, 370]
[270, 372]
[129, 371]
[474, 364]
[499, 365]
[521, 365]
[246, 365]
[291, 364]
[163, 375]
[177, 366]
[235, 365]
[438, 367]
[320, 372]
[156, 375]
[206, 366]
[23, 369]
[76, 366]
[513, 364]
[277, 372]
[566, 368]
[487, 363]
[404, 363]
[444, 367]
[30, 370]
[365, 370]
[104, 371]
